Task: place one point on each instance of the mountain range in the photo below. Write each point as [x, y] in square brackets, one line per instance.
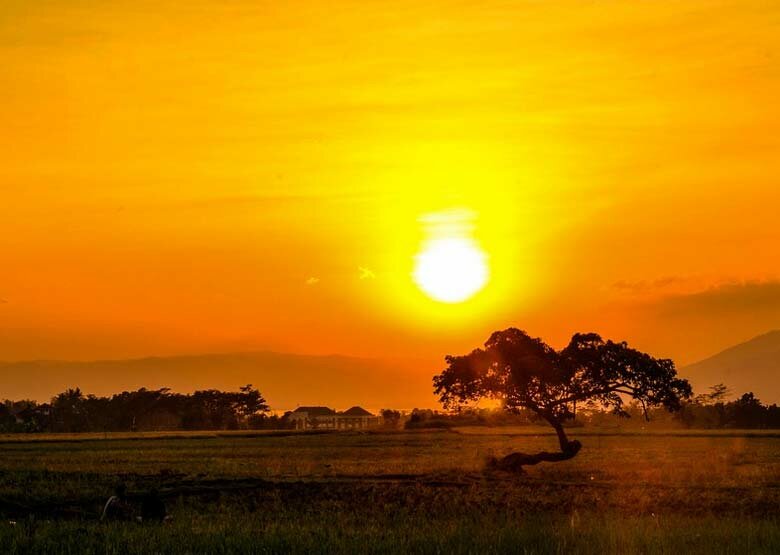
[285, 380]
[750, 366]
[290, 380]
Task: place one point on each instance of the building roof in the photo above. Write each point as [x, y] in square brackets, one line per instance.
[316, 411]
[356, 411]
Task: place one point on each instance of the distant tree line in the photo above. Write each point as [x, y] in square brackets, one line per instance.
[160, 409]
[711, 410]
[427, 418]
[706, 411]
[144, 410]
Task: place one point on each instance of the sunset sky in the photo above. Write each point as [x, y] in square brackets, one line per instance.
[190, 177]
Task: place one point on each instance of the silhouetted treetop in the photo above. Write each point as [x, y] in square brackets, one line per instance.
[525, 372]
[143, 409]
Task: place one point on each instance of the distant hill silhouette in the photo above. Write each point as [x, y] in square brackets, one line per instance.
[750, 366]
[288, 380]
[285, 380]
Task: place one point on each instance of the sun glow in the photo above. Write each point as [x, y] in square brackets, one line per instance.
[451, 267]
[451, 270]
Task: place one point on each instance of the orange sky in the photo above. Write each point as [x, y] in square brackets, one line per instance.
[201, 176]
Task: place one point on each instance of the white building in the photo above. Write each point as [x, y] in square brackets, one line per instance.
[324, 418]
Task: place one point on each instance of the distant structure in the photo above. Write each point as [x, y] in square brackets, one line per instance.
[324, 418]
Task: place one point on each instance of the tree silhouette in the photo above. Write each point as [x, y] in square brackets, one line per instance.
[250, 403]
[718, 393]
[525, 372]
[390, 417]
[68, 410]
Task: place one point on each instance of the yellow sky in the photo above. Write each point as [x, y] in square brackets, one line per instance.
[206, 176]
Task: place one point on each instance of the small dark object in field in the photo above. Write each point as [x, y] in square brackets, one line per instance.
[118, 507]
[152, 507]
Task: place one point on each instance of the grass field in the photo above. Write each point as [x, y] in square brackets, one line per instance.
[426, 492]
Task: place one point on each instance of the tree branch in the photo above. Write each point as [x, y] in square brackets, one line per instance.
[617, 388]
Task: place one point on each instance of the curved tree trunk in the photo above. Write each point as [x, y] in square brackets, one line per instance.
[514, 462]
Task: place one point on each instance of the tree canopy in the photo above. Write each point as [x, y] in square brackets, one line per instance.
[144, 409]
[525, 372]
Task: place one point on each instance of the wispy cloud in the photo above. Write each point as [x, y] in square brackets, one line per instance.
[365, 273]
[312, 280]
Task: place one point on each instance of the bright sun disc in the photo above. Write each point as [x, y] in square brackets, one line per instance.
[451, 270]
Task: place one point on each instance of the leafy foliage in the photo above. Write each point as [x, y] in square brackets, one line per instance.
[525, 372]
[712, 411]
[143, 409]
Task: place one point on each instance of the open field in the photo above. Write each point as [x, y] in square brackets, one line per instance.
[406, 491]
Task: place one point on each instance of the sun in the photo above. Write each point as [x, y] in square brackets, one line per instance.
[451, 270]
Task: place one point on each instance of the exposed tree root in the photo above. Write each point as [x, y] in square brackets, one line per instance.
[514, 462]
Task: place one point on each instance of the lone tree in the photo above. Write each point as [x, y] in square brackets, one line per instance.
[526, 373]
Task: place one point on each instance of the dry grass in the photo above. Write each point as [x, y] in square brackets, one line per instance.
[433, 483]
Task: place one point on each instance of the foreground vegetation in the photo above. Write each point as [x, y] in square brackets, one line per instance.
[423, 492]
[234, 531]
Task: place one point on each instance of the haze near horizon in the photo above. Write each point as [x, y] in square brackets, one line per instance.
[386, 179]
